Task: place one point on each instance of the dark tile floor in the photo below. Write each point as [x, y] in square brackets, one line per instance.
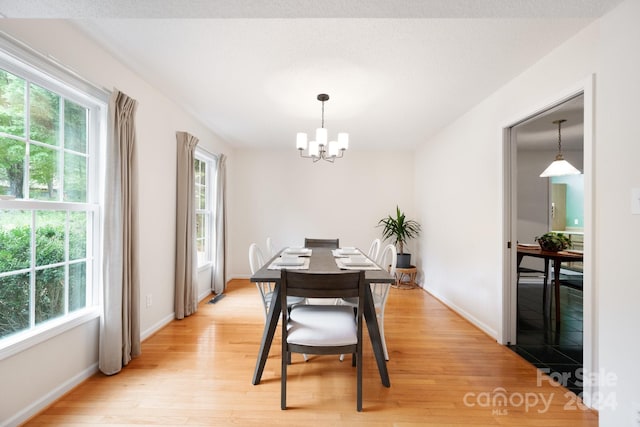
[555, 350]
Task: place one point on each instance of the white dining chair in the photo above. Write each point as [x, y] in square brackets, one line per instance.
[266, 289]
[256, 262]
[380, 292]
[271, 250]
[374, 249]
[324, 329]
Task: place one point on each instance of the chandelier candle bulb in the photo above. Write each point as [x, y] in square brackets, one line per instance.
[301, 141]
[343, 141]
[321, 136]
[314, 150]
[333, 148]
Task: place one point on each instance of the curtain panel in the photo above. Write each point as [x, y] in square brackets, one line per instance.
[120, 322]
[186, 291]
[218, 276]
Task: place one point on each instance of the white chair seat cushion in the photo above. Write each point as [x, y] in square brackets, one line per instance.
[294, 300]
[290, 300]
[319, 325]
[377, 301]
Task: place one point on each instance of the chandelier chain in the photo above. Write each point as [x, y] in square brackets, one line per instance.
[559, 137]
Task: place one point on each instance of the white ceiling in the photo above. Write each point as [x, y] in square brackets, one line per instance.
[251, 70]
[540, 133]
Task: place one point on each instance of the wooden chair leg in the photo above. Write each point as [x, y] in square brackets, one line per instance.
[283, 381]
[359, 380]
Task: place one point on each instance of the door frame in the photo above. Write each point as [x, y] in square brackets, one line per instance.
[507, 332]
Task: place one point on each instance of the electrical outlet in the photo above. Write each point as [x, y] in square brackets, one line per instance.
[149, 301]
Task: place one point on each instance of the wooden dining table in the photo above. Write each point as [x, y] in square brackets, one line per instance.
[557, 257]
[321, 261]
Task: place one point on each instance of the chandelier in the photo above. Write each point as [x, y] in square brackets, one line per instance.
[559, 167]
[321, 148]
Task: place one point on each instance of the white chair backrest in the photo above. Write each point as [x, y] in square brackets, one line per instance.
[388, 258]
[256, 259]
[374, 249]
[271, 251]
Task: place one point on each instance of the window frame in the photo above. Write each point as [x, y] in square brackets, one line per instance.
[34, 68]
[209, 211]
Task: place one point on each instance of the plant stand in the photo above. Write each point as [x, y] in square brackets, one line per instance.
[406, 278]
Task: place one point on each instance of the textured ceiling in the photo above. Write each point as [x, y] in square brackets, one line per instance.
[394, 80]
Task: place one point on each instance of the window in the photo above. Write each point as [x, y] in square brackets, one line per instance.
[49, 225]
[204, 169]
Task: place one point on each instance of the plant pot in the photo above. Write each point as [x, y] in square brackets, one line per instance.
[403, 261]
[549, 246]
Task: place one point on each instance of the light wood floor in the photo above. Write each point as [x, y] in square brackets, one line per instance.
[197, 371]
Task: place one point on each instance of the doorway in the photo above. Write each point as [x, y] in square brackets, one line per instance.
[533, 206]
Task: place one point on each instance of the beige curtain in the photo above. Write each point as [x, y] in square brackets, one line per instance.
[120, 322]
[218, 275]
[186, 292]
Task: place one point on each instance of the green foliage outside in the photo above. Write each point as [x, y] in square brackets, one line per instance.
[46, 129]
[56, 143]
[15, 255]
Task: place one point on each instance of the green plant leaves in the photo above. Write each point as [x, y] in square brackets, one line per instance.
[399, 229]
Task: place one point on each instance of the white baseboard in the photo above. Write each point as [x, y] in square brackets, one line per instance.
[49, 398]
[481, 325]
[157, 326]
[205, 294]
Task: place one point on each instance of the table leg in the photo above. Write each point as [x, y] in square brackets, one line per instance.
[270, 325]
[374, 334]
[544, 289]
[520, 256]
[556, 284]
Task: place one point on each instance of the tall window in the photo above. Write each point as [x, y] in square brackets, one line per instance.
[204, 167]
[49, 207]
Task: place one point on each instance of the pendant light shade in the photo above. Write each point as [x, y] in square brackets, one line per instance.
[559, 167]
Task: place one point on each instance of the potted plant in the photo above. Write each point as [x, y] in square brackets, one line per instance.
[399, 230]
[554, 241]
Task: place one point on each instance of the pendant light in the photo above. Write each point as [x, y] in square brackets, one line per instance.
[321, 148]
[559, 167]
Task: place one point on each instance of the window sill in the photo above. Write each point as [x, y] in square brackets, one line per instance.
[19, 342]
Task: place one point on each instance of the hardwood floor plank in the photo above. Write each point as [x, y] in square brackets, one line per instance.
[197, 372]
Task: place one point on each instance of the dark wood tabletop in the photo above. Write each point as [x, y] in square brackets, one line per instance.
[538, 252]
[322, 261]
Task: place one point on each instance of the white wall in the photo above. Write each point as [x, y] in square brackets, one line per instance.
[279, 195]
[30, 379]
[464, 259]
[463, 264]
[617, 171]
